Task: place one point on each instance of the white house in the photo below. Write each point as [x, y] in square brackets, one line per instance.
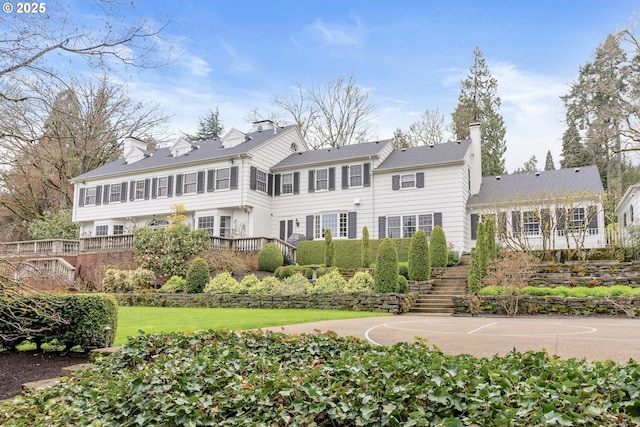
[627, 212]
[266, 183]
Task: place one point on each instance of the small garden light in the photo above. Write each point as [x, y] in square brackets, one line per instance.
[107, 332]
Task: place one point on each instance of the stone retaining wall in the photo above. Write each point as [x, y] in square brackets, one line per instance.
[577, 273]
[550, 305]
[384, 303]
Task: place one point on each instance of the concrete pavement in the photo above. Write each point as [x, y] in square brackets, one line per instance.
[591, 338]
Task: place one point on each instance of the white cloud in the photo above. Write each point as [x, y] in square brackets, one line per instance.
[337, 34]
[197, 66]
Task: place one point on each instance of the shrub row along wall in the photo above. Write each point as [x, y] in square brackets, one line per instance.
[348, 252]
[384, 303]
[578, 273]
[527, 305]
[84, 318]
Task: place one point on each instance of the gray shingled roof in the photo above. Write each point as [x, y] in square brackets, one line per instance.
[426, 155]
[209, 150]
[334, 154]
[510, 187]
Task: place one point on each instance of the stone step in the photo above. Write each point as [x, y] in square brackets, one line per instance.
[431, 310]
[68, 370]
[40, 384]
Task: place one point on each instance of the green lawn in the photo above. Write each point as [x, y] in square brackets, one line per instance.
[184, 319]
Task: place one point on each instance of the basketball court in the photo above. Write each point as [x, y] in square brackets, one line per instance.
[597, 338]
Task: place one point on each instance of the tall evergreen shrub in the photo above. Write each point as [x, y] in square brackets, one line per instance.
[329, 249]
[365, 250]
[490, 237]
[438, 247]
[198, 276]
[419, 258]
[386, 274]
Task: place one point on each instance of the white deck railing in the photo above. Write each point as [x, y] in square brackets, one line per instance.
[124, 242]
[55, 267]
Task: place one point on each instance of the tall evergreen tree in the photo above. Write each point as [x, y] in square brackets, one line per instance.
[530, 165]
[548, 164]
[574, 154]
[479, 102]
[209, 127]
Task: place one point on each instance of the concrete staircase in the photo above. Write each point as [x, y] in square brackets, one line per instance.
[439, 300]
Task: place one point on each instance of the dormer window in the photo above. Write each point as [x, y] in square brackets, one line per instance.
[182, 147]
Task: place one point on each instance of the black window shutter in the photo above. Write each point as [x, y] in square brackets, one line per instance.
[382, 227]
[132, 190]
[98, 194]
[147, 184]
[154, 188]
[105, 194]
[437, 219]
[277, 184]
[420, 180]
[309, 227]
[252, 177]
[515, 221]
[211, 180]
[200, 182]
[233, 181]
[283, 230]
[395, 182]
[179, 189]
[474, 226]
[123, 192]
[270, 184]
[81, 198]
[170, 186]
[352, 225]
[592, 215]
[332, 178]
[345, 177]
[366, 175]
[312, 181]
[296, 183]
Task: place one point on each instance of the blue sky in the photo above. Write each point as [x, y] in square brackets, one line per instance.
[238, 55]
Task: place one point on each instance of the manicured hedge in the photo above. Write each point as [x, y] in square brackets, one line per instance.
[348, 252]
[85, 318]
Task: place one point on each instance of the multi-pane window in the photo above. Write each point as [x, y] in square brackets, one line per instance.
[287, 183]
[408, 225]
[393, 227]
[206, 223]
[355, 175]
[322, 180]
[90, 196]
[408, 180]
[102, 230]
[139, 189]
[190, 182]
[261, 181]
[222, 178]
[162, 186]
[530, 223]
[336, 222]
[118, 229]
[114, 192]
[225, 226]
[425, 223]
[577, 219]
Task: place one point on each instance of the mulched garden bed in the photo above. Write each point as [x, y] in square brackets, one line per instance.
[19, 367]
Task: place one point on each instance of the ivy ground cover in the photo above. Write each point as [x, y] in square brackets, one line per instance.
[272, 379]
[187, 319]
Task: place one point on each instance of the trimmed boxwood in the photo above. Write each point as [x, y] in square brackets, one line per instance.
[419, 260]
[386, 274]
[198, 276]
[270, 258]
[348, 252]
[438, 248]
[85, 319]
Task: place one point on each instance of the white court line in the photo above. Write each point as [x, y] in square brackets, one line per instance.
[366, 334]
[481, 327]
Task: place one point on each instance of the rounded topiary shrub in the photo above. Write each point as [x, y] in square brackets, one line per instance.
[386, 273]
[438, 247]
[270, 258]
[223, 283]
[283, 272]
[361, 282]
[330, 283]
[403, 284]
[197, 276]
[419, 260]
